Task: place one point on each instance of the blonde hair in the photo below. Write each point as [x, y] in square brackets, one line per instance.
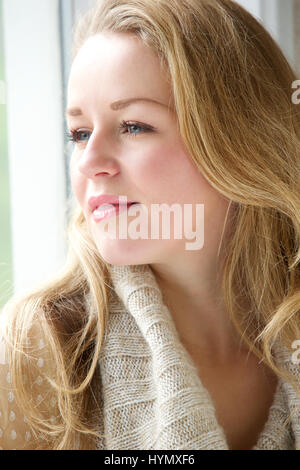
[232, 92]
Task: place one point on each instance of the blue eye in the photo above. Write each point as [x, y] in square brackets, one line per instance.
[130, 125]
[133, 125]
[74, 135]
[83, 132]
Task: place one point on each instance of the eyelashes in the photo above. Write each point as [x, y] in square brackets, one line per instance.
[73, 135]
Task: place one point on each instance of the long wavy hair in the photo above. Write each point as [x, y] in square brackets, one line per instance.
[232, 90]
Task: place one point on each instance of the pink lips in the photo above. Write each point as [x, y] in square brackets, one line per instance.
[97, 201]
[106, 213]
[120, 204]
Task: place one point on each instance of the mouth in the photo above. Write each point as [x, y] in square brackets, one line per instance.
[128, 204]
[109, 204]
[105, 211]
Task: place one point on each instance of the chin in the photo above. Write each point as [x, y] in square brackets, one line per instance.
[120, 252]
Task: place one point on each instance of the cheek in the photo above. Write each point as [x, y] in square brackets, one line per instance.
[168, 170]
[159, 166]
[77, 183]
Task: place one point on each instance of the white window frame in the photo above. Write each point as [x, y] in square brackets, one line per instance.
[35, 139]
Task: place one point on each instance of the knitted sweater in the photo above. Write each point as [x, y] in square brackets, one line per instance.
[153, 397]
[150, 392]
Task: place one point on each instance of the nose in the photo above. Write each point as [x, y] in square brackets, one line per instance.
[97, 158]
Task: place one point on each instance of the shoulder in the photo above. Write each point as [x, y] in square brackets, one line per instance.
[15, 431]
[32, 340]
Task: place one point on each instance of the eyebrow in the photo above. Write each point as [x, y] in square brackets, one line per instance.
[117, 105]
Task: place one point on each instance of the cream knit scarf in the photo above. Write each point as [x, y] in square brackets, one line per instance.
[152, 396]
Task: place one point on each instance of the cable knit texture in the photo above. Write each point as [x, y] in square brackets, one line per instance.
[150, 393]
[153, 397]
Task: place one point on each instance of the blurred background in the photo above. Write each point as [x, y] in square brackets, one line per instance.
[35, 60]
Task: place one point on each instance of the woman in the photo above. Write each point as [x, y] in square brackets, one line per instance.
[141, 343]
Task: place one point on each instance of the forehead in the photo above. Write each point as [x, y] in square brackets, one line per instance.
[117, 64]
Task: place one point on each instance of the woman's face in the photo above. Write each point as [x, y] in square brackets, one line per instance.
[145, 161]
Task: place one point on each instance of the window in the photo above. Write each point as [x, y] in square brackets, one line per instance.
[5, 232]
[33, 79]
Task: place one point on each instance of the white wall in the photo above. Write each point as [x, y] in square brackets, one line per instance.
[35, 138]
